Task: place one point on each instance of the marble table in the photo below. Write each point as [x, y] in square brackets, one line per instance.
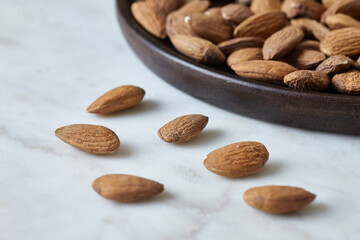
[56, 57]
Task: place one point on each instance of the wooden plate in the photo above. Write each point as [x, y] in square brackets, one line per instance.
[310, 110]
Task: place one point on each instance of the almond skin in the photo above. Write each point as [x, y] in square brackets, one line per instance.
[347, 82]
[344, 41]
[237, 159]
[117, 99]
[89, 138]
[232, 45]
[278, 199]
[340, 21]
[194, 7]
[264, 70]
[302, 8]
[244, 55]
[183, 129]
[210, 25]
[126, 188]
[310, 45]
[261, 6]
[235, 13]
[198, 49]
[335, 64]
[348, 7]
[282, 42]
[151, 18]
[261, 25]
[307, 80]
[165, 6]
[175, 25]
[304, 58]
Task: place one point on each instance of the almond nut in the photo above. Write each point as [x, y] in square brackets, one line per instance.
[183, 129]
[278, 199]
[126, 188]
[89, 138]
[282, 42]
[307, 80]
[264, 70]
[237, 159]
[117, 99]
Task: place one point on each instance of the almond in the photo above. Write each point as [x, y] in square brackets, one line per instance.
[328, 3]
[126, 188]
[282, 42]
[194, 7]
[89, 138]
[278, 199]
[234, 44]
[307, 80]
[244, 55]
[183, 129]
[318, 30]
[264, 70]
[260, 6]
[261, 25]
[165, 6]
[151, 18]
[235, 13]
[304, 58]
[344, 41]
[347, 82]
[348, 7]
[198, 49]
[340, 21]
[310, 45]
[335, 64]
[210, 25]
[237, 159]
[175, 25]
[117, 99]
[302, 8]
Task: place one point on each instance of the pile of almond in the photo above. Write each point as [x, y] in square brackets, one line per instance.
[303, 44]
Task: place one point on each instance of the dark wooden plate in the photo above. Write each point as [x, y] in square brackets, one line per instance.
[310, 110]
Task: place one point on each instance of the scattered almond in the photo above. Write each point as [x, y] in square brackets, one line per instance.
[347, 82]
[335, 64]
[307, 80]
[264, 70]
[126, 188]
[89, 138]
[278, 199]
[117, 99]
[183, 129]
[237, 159]
[282, 42]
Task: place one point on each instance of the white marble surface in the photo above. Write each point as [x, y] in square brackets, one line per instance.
[56, 57]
